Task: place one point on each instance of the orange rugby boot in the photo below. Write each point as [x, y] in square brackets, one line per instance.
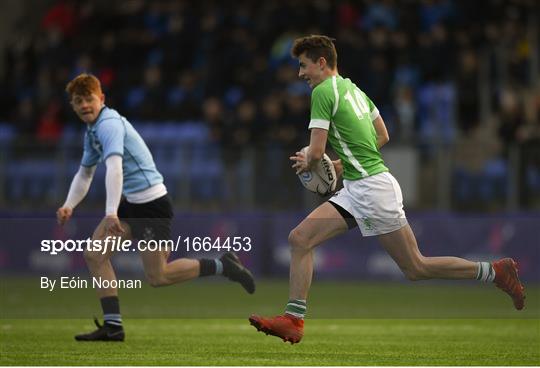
[506, 279]
[286, 327]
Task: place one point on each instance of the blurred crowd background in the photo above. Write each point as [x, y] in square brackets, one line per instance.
[212, 88]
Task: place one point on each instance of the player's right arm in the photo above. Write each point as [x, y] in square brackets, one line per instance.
[378, 123]
[81, 181]
[382, 133]
[77, 191]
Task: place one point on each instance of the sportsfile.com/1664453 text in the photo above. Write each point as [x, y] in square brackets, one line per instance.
[119, 244]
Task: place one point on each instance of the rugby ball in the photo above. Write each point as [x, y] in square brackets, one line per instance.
[322, 179]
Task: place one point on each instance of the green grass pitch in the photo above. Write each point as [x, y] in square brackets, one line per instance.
[205, 323]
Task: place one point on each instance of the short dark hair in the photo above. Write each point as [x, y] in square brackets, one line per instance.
[316, 46]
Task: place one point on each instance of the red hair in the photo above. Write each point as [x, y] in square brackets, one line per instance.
[84, 85]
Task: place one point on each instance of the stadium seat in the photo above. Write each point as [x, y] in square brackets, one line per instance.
[7, 133]
[184, 156]
[32, 179]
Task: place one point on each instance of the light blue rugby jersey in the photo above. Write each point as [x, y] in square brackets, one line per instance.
[112, 134]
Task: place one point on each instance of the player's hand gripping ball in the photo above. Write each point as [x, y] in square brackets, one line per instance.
[322, 179]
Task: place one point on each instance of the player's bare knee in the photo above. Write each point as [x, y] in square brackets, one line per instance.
[298, 240]
[157, 279]
[411, 275]
[415, 273]
[94, 258]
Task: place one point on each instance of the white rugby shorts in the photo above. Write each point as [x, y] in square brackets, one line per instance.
[375, 202]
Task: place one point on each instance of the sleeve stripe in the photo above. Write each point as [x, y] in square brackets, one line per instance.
[374, 114]
[114, 153]
[336, 94]
[319, 123]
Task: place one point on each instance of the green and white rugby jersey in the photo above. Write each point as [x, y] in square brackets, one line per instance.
[340, 107]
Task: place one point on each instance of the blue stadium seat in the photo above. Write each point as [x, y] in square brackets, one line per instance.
[32, 179]
[533, 179]
[494, 180]
[487, 185]
[7, 133]
[182, 151]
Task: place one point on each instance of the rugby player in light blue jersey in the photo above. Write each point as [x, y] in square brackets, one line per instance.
[145, 212]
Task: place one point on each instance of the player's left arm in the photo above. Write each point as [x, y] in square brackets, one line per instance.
[382, 133]
[322, 102]
[317, 147]
[114, 178]
[111, 134]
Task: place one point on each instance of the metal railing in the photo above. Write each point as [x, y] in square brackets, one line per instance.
[261, 178]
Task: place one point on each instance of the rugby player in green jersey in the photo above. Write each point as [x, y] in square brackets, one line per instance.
[371, 198]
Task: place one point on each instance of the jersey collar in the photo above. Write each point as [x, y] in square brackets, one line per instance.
[95, 123]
